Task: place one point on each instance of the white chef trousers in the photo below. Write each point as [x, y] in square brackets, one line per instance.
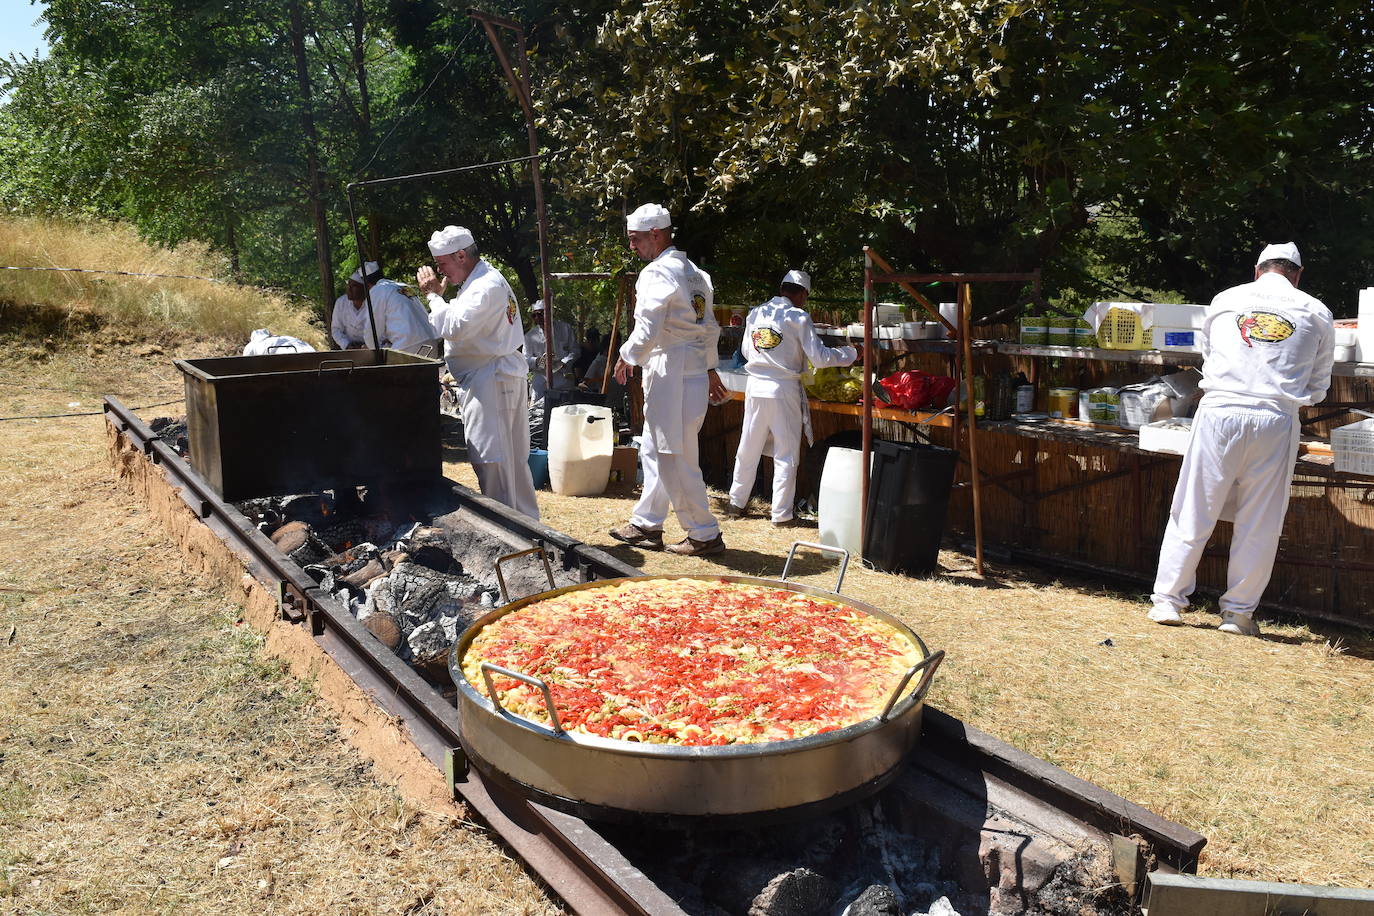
[1250, 450]
[780, 417]
[674, 479]
[495, 411]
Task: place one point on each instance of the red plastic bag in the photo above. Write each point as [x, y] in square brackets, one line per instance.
[913, 389]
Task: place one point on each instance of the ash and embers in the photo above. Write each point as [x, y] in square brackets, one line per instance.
[402, 581]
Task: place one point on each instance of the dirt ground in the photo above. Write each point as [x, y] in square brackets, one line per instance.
[154, 758]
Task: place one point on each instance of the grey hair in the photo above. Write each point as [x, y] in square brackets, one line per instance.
[1280, 266]
[471, 251]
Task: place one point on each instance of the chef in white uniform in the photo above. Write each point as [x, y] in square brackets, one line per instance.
[565, 352]
[402, 323]
[674, 341]
[1267, 351]
[482, 330]
[348, 326]
[779, 338]
[263, 342]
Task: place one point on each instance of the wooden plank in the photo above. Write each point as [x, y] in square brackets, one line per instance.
[1189, 895]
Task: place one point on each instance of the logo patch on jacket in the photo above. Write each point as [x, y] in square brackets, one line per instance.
[765, 338]
[699, 306]
[511, 309]
[1265, 327]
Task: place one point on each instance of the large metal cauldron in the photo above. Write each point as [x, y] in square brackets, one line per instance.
[606, 778]
[301, 422]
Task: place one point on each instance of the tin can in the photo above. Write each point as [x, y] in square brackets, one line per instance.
[1063, 403]
[1025, 398]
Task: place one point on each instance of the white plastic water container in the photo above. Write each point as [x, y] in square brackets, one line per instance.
[581, 440]
[840, 509]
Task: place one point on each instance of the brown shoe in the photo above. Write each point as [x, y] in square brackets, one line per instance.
[691, 547]
[790, 523]
[636, 536]
[730, 510]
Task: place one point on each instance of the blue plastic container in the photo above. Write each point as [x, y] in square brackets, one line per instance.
[539, 468]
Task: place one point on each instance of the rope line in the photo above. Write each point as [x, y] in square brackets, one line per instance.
[57, 416]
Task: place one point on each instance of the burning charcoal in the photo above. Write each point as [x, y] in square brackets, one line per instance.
[876, 900]
[311, 508]
[942, 907]
[365, 574]
[800, 892]
[428, 642]
[297, 541]
[323, 576]
[437, 559]
[393, 558]
[342, 534]
[385, 628]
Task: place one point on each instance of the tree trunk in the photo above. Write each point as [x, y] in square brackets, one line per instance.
[312, 162]
[231, 241]
[374, 219]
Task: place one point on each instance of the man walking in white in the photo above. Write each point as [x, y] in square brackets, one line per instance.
[1267, 351]
[482, 328]
[674, 340]
[564, 352]
[779, 338]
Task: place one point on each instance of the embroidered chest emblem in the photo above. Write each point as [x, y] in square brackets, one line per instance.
[510, 310]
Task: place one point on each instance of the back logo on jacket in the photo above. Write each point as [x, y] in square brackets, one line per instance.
[1265, 327]
[765, 338]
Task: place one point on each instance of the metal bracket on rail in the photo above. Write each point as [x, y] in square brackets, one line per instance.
[456, 766]
[292, 605]
[501, 579]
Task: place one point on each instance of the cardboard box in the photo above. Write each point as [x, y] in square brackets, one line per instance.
[624, 470]
[1170, 436]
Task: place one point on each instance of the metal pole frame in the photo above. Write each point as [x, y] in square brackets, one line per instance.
[963, 363]
[520, 85]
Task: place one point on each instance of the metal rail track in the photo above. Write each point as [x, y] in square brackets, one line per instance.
[570, 855]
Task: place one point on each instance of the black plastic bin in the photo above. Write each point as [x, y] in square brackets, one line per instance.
[908, 494]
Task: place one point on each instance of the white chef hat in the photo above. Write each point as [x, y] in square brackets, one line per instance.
[450, 239]
[367, 270]
[798, 277]
[538, 306]
[649, 216]
[1286, 250]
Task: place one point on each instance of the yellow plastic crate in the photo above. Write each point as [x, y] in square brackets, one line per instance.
[1121, 330]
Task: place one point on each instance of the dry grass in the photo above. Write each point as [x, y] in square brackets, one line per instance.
[132, 305]
[1265, 746]
[153, 758]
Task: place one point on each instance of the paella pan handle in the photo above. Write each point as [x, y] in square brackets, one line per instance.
[332, 364]
[488, 668]
[929, 663]
[823, 548]
[501, 579]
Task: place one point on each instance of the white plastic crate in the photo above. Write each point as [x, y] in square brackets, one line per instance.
[1353, 447]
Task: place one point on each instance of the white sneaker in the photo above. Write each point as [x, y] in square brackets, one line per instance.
[1238, 624]
[1162, 613]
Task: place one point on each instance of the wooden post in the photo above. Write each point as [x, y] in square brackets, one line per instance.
[615, 327]
[965, 300]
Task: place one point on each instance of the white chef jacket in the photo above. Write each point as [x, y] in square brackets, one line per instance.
[779, 338]
[263, 342]
[401, 321]
[565, 351]
[349, 325]
[673, 315]
[1266, 344]
[674, 339]
[481, 325]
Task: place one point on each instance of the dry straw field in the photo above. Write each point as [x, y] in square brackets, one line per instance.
[154, 757]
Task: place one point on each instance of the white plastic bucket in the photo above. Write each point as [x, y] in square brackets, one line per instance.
[581, 440]
[840, 509]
